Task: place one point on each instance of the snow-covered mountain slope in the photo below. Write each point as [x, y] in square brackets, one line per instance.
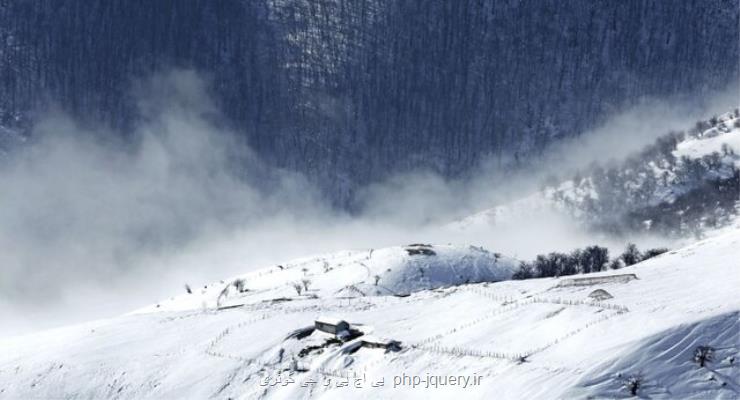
[534, 339]
[682, 185]
[723, 138]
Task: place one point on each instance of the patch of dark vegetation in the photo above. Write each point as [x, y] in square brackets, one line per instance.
[703, 355]
[240, 285]
[582, 261]
[318, 349]
[633, 383]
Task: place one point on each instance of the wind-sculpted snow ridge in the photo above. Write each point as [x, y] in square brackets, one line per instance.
[533, 339]
[393, 271]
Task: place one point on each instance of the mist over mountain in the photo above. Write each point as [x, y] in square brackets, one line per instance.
[682, 185]
[271, 199]
[350, 92]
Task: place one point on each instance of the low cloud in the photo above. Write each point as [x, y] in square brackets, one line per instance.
[93, 225]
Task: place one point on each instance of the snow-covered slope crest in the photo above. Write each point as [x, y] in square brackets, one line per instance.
[392, 271]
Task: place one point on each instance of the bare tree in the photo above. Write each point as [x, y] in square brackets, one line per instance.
[650, 253]
[703, 355]
[239, 284]
[631, 255]
[633, 383]
[298, 288]
[525, 271]
[306, 283]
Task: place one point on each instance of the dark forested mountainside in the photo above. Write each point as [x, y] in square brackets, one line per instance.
[350, 90]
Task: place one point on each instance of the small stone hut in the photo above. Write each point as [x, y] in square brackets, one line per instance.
[331, 325]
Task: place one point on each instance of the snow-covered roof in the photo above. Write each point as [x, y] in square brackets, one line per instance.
[330, 320]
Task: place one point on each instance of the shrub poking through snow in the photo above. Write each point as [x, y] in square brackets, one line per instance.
[306, 283]
[239, 284]
[298, 288]
[703, 355]
[633, 383]
[653, 253]
[188, 289]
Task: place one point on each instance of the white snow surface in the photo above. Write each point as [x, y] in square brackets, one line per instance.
[349, 274]
[516, 339]
[712, 141]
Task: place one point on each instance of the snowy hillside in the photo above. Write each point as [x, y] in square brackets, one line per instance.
[393, 271]
[682, 185]
[534, 339]
[723, 138]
